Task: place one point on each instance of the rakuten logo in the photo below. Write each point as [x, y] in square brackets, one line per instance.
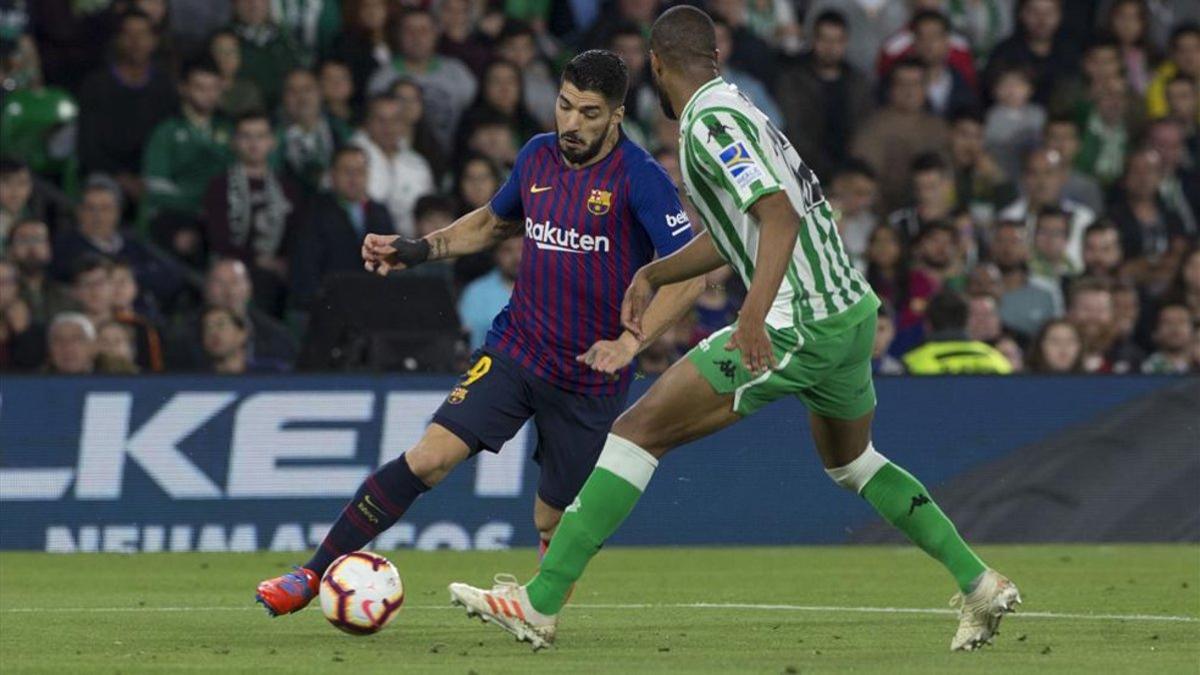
[550, 238]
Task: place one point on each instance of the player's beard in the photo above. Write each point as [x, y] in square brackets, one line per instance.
[664, 101]
[587, 154]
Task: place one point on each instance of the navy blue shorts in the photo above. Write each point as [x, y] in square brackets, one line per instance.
[496, 396]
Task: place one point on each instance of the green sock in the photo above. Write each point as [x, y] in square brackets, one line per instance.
[606, 499]
[905, 503]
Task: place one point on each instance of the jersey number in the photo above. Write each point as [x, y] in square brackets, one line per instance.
[481, 368]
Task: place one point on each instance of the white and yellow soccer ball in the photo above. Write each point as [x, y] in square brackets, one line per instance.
[361, 593]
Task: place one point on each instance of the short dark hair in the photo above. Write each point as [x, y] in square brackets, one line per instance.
[346, 150]
[624, 28]
[929, 15]
[252, 116]
[1103, 40]
[237, 320]
[855, 167]
[1182, 77]
[933, 227]
[967, 113]
[11, 165]
[202, 66]
[385, 97]
[1063, 118]
[134, 13]
[1083, 285]
[947, 311]
[1183, 30]
[514, 28]
[601, 71]
[908, 62]
[929, 161]
[434, 203]
[87, 263]
[1099, 226]
[1052, 212]
[831, 17]
[683, 34]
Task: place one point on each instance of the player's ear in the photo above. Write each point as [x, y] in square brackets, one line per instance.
[618, 115]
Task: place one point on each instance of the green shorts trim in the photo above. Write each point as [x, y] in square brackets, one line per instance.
[828, 370]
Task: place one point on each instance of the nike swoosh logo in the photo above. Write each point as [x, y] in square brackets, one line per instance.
[534, 189]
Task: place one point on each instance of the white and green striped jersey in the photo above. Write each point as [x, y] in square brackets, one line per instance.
[731, 155]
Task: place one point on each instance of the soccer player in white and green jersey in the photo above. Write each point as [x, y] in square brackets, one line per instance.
[806, 329]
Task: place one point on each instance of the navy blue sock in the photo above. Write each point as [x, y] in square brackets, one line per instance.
[380, 501]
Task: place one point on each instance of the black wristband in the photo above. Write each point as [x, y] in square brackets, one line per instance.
[411, 252]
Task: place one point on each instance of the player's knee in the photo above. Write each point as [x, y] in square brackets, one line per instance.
[855, 475]
[633, 425]
[546, 524]
[432, 461]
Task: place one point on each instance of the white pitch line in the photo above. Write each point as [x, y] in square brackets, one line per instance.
[685, 605]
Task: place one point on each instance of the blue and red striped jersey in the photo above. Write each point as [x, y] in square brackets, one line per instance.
[586, 232]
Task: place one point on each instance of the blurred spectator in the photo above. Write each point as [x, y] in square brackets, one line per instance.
[1183, 58]
[751, 86]
[1152, 235]
[434, 212]
[983, 319]
[92, 288]
[1036, 44]
[485, 297]
[22, 343]
[1014, 124]
[1129, 22]
[183, 154]
[120, 104]
[1091, 310]
[970, 236]
[493, 139]
[312, 24]
[948, 349]
[916, 39]
[29, 250]
[1173, 337]
[935, 266]
[772, 21]
[640, 13]
[870, 23]
[420, 135]
[250, 212]
[1129, 320]
[1163, 16]
[460, 39]
[1110, 121]
[517, 44]
[478, 179]
[1049, 260]
[895, 134]
[1043, 180]
[1101, 61]
[337, 91]
[226, 338]
[70, 345]
[124, 290]
[984, 23]
[397, 175]
[308, 135]
[1185, 288]
[853, 193]
[65, 33]
[978, 178]
[641, 98]
[1183, 108]
[116, 351]
[1008, 345]
[1102, 252]
[824, 98]
[100, 233]
[268, 51]
[333, 229]
[24, 194]
[364, 43]
[192, 23]
[447, 85]
[750, 53]
[1025, 301]
[228, 285]
[239, 94]
[1061, 134]
[499, 96]
[1180, 185]
[887, 267]
[883, 363]
[716, 307]
[950, 80]
[933, 197]
[1056, 349]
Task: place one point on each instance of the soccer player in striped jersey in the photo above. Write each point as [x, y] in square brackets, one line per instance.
[593, 208]
[806, 329]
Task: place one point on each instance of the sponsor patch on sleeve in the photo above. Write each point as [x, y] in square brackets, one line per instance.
[740, 164]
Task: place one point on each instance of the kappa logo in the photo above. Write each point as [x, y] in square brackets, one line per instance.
[917, 502]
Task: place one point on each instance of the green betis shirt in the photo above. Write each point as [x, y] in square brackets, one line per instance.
[179, 161]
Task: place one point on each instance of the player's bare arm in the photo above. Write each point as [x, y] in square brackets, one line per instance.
[779, 225]
[692, 262]
[476, 231]
[667, 307]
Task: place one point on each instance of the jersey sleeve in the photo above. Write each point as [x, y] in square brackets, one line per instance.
[728, 147]
[654, 201]
[506, 203]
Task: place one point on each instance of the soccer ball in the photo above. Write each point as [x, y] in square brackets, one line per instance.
[361, 592]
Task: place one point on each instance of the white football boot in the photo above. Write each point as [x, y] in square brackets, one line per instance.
[980, 611]
[507, 606]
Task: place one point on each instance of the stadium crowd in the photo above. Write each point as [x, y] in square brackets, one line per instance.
[1018, 179]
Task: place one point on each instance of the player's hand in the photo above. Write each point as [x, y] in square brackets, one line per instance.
[751, 338]
[610, 356]
[637, 299]
[378, 255]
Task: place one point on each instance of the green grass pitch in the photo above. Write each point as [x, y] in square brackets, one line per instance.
[765, 610]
